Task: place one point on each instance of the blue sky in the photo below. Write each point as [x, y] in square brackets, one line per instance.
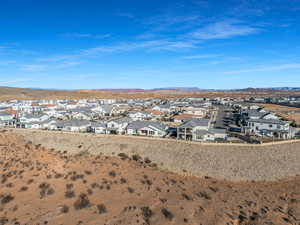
[222, 44]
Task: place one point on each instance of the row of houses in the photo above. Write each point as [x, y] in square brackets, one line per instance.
[258, 121]
[122, 125]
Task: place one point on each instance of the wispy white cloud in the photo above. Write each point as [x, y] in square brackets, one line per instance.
[32, 67]
[15, 81]
[51, 66]
[158, 26]
[76, 35]
[204, 56]
[224, 29]
[266, 68]
[147, 45]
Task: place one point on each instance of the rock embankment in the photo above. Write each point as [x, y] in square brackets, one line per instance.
[231, 162]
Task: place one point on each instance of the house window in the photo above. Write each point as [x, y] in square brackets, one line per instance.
[270, 125]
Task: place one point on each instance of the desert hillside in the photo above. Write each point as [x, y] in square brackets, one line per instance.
[46, 186]
[8, 93]
[271, 161]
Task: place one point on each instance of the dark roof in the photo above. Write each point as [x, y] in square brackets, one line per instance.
[121, 120]
[135, 125]
[281, 122]
[194, 122]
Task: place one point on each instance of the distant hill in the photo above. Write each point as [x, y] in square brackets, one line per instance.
[9, 93]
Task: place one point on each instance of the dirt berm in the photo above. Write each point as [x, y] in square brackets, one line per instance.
[225, 161]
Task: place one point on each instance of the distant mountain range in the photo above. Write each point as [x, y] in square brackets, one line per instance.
[196, 89]
[8, 93]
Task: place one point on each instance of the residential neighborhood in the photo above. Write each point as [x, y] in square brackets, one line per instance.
[190, 119]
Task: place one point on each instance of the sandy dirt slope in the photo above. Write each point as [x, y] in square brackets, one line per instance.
[45, 186]
[253, 162]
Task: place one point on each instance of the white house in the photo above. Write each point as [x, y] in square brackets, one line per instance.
[140, 116]
[147, 128]
[278, 129]
[104, 110]
[166, 108]
[209, 135]
[187, 129]
[28, 118]
[118, 125]
[75, 125]
[6, 116]
[98, 128]
[199, 111]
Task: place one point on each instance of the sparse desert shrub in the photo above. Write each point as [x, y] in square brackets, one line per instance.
[82, 202]
[3, 180]
[6, 199]
[9, 185]
[147, 160]
[163, 200]
[3, 220]
[123, 156]
[87, 172]
[50, 191]
[64, 209]
[101, 209]
[203, 195]
[136, 157]
[187, 197]
[24, 188]
[167, 214]
[130, 190]
[123, 180]
[112, 173]
[94, 185]
[69, 194]
[147, 213]
[58, 175]
[44, 185]
[30, 181]
[89, 191]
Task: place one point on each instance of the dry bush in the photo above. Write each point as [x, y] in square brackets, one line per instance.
[69, 194]
[167, 214]
[112, 173]
[82, 202]
[6, 198]
[64, 209]
[130, 190]
[101, 209]
[147, 214]
[23, 188]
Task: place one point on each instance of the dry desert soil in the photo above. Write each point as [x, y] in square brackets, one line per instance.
[42, 185]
